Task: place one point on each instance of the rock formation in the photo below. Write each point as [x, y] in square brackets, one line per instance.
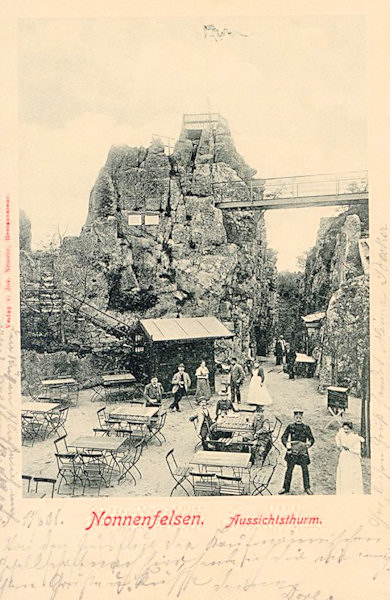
[155, 245]
[337, 282]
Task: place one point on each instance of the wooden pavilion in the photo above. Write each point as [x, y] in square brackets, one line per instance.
[162, 344]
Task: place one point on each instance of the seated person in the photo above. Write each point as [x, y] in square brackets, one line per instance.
[153, 392]
[204, 422]
[262, 439]
[224, 403]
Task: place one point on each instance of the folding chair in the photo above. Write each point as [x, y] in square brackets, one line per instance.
[99, 394]
[201, 441]
[138, 432]
[68, 468]
[93, 470]
[262, 479]
[101, 415]
[230, 486]
[102, 431]
[129, 461]
[57, 420]
[337, 416]
[38, 480]
[28, 431]
[179, 474]
[155, 428]
[275, 430]
[62, 446]
[105, 422]
[204, 484]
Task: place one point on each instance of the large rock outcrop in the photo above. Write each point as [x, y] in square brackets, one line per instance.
[155, 245]
[336, 281]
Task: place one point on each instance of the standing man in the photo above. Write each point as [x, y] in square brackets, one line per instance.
[204, 422]
[291, 357]
[297, 439]
[237, 376]
[181, 383]
[153, 392]
[280, 350]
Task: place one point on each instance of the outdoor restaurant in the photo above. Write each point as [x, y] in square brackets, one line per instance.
[94, 441]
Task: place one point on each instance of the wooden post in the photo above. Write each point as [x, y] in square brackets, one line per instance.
[365, 414]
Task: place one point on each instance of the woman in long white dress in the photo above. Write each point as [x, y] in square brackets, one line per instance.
[257, 392]
[349, 479]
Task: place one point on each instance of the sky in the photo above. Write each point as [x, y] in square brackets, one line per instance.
[292, 90]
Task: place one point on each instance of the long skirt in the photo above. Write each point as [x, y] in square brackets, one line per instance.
[257, 393]
[349, 479]
[202, 389]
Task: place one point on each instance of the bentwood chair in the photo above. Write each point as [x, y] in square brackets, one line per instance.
[179, 474]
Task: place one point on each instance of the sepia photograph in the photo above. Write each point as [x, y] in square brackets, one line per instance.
[194, 257]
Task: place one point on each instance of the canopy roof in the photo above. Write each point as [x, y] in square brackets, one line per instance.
[160, 330]
[314, 317]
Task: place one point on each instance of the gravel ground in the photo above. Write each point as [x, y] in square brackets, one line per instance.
[180, 435]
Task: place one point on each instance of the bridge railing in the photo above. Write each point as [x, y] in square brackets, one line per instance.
[315, 185]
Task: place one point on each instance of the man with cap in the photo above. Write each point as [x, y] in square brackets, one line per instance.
[181, 383]
[297, 439]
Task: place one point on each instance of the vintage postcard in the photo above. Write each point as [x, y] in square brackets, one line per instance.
[194, 318]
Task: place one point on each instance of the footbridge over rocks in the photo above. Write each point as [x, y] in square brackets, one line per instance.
[301, 191]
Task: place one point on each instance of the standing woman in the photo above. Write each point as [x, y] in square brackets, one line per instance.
[257, 391]
[349, 479]
[202, 383]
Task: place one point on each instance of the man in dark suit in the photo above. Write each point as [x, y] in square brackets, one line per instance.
[237, 376]
[297, 439]
[291, 357]
[153, 392]
[280, 350]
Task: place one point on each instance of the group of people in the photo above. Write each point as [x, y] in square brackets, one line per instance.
[285, 353]
[297, 437]
[181, 383]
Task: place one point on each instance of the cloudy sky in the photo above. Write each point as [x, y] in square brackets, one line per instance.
[292, 89]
